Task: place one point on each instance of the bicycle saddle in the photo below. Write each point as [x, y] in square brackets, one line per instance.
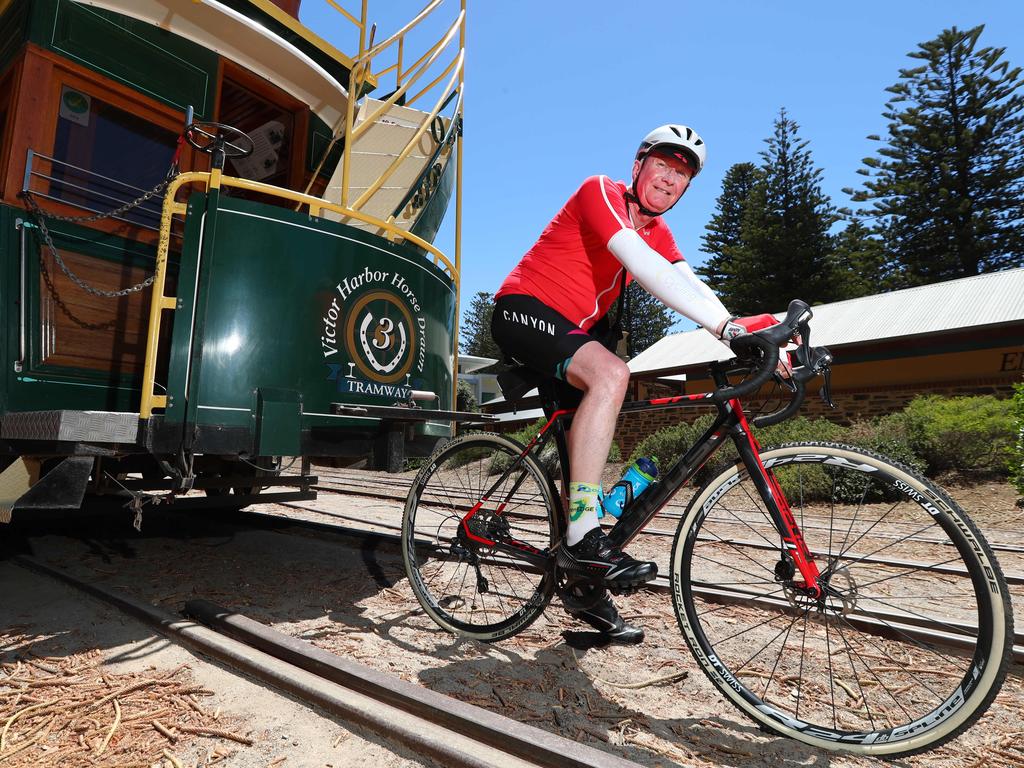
[517, 382]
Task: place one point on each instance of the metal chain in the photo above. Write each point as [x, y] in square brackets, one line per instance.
[40, 216]
[144, 197]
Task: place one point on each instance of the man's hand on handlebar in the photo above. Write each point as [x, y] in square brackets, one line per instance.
[737, 326]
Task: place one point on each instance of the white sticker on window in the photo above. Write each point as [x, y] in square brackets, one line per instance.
[75, 105]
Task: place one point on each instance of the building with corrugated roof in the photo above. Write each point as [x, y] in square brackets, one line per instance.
[961, 337]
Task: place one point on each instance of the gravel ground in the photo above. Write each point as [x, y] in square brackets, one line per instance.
[647, 703]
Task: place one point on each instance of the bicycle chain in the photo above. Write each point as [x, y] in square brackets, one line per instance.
[40, 217]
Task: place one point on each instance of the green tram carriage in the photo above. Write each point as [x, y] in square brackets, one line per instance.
[183, 315]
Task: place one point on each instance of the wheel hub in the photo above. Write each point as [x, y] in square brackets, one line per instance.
[488, 525]
[836, 595]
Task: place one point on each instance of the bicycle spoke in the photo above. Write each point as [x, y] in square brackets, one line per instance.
[878, 647]
[479, 584]
[856, 660]
[762, 566]
[909, 570]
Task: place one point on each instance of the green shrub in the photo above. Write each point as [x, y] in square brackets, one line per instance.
[1016, 462]
[888, 436]
[801, 429]
[807, 482]
[973, 435]
[525, 434]
[669, 443]
[549, 453]
[615, 453]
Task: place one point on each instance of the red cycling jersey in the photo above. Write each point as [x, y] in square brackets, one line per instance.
[570, 268]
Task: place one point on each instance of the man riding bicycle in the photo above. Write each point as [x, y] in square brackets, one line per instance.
[606, 234]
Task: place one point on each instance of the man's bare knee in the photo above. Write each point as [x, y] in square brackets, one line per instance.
[613, 380]
[594, 368]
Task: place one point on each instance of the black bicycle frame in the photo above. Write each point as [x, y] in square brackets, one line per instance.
[731, 421]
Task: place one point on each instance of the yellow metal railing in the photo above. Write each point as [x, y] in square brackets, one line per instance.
[361, 74]
[215, 180]
[405, 78]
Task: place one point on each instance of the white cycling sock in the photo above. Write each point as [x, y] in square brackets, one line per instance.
[583, 503]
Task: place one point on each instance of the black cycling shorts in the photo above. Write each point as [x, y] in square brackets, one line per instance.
[531, 333]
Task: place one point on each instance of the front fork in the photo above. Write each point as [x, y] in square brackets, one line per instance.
[778, 507]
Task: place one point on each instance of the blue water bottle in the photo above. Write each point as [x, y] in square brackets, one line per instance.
[638, 477]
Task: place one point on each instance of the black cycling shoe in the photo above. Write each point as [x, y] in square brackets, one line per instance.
[594, 557]
[606, 619]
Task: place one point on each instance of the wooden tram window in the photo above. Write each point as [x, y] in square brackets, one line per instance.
[6, 88]
[120, 134]
[271, 128]
[41, 79]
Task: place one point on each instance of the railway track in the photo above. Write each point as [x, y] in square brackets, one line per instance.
[884, 623]
[366, 707]
[452, 732]
[398, 488]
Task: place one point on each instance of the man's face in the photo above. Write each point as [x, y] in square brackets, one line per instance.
[660, 180]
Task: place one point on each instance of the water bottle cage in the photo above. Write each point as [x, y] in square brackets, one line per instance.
[613, 493]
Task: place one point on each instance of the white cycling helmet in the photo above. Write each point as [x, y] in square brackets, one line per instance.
[681, 138]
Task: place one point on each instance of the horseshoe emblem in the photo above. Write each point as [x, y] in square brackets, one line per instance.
[382, 339]
[380, 336]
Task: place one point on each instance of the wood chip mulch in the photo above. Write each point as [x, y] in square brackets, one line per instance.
[70, 711]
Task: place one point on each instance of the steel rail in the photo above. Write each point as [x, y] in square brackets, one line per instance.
[448, 730]
[357, 490]
[884, 623]
[353, 478]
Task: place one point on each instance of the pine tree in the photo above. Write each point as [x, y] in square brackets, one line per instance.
[784, 249]
[862, 267]
[723, 231]
[947, 189]
[646, 320]
[476, 328]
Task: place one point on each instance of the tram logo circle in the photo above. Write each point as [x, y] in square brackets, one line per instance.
[380, 336]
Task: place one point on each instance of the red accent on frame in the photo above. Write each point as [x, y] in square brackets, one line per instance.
[476, 507]
[678, 398]
[465, 524]
[792, 535]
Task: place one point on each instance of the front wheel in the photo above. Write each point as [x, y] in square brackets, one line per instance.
[478, 525]
[909, 640]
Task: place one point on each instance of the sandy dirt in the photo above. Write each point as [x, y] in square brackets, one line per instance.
[51, 625]
[647, 703]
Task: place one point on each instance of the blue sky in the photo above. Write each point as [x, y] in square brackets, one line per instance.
[558, 91]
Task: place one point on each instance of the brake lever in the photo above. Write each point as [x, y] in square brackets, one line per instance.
[785, 381]
[826, 388]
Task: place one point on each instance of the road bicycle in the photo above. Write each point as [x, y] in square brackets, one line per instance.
[833, 595]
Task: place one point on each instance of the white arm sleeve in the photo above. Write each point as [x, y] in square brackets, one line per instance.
[673, 284]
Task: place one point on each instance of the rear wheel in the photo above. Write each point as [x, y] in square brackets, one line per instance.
[909, 641]
[477, 527]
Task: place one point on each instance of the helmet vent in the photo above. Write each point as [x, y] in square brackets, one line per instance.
[675, 131]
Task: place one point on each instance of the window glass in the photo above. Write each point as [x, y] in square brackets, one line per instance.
[105, 156]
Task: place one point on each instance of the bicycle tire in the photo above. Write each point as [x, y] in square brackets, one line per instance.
[849, 687]
[467, 587]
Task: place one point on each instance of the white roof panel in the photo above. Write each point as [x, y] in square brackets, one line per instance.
[970, 302]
